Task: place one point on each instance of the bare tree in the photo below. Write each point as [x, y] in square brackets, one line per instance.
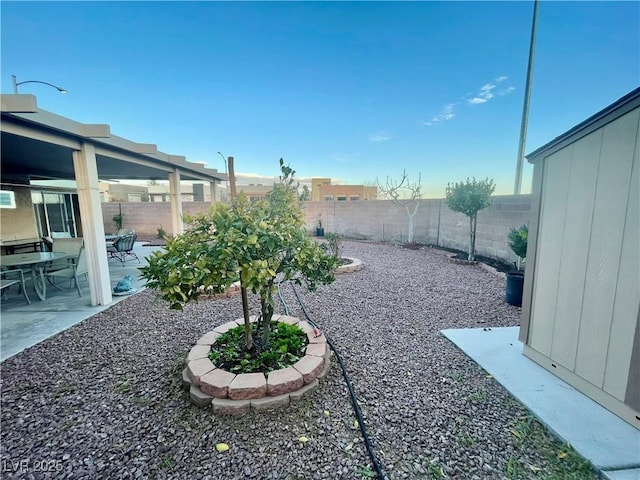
[405, 194]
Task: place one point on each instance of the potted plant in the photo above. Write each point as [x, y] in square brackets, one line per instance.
[518, 238]
[249, 242]
[320, 228]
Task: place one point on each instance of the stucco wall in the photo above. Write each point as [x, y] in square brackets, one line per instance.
[19, 222]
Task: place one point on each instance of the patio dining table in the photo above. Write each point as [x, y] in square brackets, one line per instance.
[37, 263]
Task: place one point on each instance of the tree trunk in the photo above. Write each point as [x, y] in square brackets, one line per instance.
[248, 337]
[410, 227]
[266, 308]
[472, 239]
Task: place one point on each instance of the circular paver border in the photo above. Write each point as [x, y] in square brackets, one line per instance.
[354, 266]
[228, 393]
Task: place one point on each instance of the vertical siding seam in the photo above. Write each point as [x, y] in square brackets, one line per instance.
[584, 280]
[624, 229]
[564, 227]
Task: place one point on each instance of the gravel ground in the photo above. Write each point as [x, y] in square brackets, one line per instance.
[103, 399]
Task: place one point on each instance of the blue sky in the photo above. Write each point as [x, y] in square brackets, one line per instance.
[352, 91]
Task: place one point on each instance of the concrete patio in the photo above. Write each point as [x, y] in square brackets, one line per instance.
[25, 325]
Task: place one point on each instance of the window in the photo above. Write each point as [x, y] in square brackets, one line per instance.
[7, 199]
[354, 197]
[342, 198]
[328, 198]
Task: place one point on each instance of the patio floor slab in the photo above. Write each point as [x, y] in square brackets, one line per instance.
[22, 325]
[608, 442]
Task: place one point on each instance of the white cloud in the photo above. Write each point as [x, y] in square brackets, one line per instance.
[485, 93]
[445, 114]
[379, 137]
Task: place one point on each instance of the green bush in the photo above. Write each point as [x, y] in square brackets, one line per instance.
[518, 239]
[287, 345]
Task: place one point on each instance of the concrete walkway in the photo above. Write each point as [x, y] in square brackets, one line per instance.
[22, 325]
[608, 442]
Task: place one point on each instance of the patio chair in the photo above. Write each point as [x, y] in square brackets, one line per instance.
[68, 246]
[72, 272]
[13, 277]
[122, 248]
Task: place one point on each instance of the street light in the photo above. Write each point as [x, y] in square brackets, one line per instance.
[16, 83]
[225, 172]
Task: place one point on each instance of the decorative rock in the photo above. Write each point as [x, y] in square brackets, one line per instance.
[186, 381]
[208, 338]
[284, 381]
[230, 407]
[269, 403]
[199, 398]
[198, 368]
[317, 349]
[247, 386]
[216, 383]
[198, 351]
[298, 394]
[309, 367]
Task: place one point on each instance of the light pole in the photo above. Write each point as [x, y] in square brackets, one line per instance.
[225, 172]
[16, 83]
[525, 108]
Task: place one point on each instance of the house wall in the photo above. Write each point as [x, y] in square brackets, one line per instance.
[19, 222]
[586, 288]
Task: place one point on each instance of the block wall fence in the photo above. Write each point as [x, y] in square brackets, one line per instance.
[379, 220]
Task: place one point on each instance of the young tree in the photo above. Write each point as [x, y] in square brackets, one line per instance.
[405, 194]
[469, 198]
[254, 242]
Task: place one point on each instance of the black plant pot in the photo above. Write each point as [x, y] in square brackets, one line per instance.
[320, 232]
[515, 281]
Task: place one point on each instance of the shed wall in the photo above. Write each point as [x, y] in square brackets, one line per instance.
[586, 287]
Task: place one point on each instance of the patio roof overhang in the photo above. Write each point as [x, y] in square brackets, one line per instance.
[39, 144]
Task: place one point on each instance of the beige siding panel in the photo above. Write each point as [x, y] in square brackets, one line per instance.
[554, 199]
[585, 156]
[614, 178]
[627, 301]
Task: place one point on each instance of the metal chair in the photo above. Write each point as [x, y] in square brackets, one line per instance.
[6, 281]
[122, 247]
[72, 272]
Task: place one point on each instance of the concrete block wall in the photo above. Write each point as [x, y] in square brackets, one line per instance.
[377, 220]
[19, 222]
[434, 223]
[147, 217]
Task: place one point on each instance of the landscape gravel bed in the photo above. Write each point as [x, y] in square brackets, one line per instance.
[103, 399]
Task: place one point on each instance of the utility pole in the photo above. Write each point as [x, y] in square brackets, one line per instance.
[527, 97]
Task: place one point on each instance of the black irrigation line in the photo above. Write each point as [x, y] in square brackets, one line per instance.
[354, 400]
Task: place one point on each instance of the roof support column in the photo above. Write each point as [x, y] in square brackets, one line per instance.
[175, 197]
[86, 173]
[213, 192]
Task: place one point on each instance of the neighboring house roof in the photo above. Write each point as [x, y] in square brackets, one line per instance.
[620, 107]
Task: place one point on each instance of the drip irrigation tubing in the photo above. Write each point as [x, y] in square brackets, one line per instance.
[354, 401]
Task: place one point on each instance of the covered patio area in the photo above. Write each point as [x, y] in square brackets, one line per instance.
[40, 145]
[26, 325]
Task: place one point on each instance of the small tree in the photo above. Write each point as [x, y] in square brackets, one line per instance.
[469, 198]
[118, 219]
[405, 194]
[253, 242]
